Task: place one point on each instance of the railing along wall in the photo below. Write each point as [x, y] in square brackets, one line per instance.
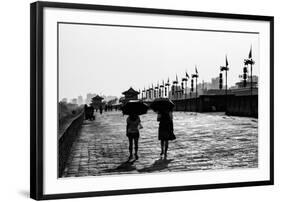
[66, 139]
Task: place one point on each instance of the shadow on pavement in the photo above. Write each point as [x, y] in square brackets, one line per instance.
[126, 166]
[159, 164]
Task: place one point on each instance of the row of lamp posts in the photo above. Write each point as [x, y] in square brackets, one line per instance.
[247, 62]
[163, 90]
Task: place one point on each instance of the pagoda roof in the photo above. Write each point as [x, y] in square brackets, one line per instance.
[97, 97]
[130, 91]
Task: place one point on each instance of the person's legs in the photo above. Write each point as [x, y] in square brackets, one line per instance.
[162, 147]
[136, 140]
[130, 146]
[166, 148]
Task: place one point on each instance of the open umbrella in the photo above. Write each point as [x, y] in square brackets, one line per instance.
[135, 107]
[162, 104]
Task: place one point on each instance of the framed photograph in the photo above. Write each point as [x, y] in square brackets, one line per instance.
[131, 100]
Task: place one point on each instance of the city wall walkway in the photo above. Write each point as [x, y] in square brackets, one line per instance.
[204, 142]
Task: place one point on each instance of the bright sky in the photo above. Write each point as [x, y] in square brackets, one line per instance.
[108, 60]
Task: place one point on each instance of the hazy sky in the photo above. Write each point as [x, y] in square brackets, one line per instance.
[108, 60]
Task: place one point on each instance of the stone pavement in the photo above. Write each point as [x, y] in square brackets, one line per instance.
[204, 142]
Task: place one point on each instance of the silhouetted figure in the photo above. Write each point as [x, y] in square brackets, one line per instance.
[132, 132]
[85, 111]
[89, 112]
[166, 131]
[101, 109]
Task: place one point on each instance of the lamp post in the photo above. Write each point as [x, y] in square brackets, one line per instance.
[168, 87]
[251, 62]
[161, 88]
[225, 68]
[175, 83]
[157, 91]
[143, 91]
[151, 92]
[184, 80]
[196, 75]
[190, 92]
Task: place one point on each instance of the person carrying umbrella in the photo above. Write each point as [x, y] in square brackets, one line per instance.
[164, 107]
[134, 109]
[132, 132]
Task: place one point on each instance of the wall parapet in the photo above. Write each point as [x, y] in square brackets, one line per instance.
[66, 139]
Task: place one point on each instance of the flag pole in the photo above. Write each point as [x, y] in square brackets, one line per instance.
[251, 62]
[190, 92]
[250, 57]
[226, 66]
[196, 95]
[196, 73]
[226, 90]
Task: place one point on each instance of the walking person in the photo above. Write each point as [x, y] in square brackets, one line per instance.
[133, 126]
[165, 131]
[101, 109]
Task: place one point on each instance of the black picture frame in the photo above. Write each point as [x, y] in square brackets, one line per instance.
[36, 99]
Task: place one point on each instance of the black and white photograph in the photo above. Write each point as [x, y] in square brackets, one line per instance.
[137, 100]
[140, 101]
[129, 100]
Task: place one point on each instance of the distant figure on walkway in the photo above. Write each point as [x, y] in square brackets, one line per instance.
[89, 112]
[166, 131]
[132, 132]
[100, 109]
[85, 112]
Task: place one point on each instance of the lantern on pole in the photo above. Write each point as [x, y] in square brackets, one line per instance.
[220, 81]
[225, 68]
[175, 84]
[167, 87]
[245, 71]
[143, 93]
[251, 62]
[156, 91]
[196, 77]
[161, 88]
